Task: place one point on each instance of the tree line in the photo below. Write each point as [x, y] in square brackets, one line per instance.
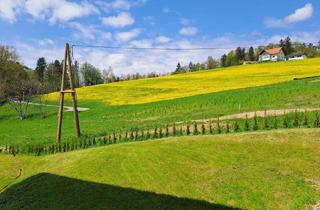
[242, 55]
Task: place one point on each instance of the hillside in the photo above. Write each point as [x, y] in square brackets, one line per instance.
[184, 85]
[260, 170]
[101, 118]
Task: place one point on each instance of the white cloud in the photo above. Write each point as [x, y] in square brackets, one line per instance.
[141, 43]
[128, 35]
[144, 61]
[166, 10]
[89, 32]
[162, 39]
[119, 5]
[121, 20]
[184, 21]
[46, 42]
[188, 31]
[54, 10]
[9, 9]
[298, 15]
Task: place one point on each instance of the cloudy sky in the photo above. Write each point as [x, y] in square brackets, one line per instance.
[39, 28]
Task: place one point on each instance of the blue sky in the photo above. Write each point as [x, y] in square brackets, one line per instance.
[40, 28]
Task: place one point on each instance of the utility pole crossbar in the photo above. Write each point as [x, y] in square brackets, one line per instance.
[67, 67]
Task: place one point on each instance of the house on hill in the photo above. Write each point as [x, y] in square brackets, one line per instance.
[274, 54]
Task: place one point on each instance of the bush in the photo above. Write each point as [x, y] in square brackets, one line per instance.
[316, 122]
[305, 119]
[218, 126]
[255, 122]
[286, 121]
[246, 124]
[236, 127]
[266, 122]
[295, 119]
[275, 122]
[227, 128]
[195, 130]
[203, 129]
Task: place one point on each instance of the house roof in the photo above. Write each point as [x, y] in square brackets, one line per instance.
[272, 51]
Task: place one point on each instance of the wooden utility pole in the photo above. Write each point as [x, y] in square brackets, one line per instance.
[67, 67]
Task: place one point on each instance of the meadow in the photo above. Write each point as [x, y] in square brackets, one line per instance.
[102, 119]
[259, 170]
[203, 82]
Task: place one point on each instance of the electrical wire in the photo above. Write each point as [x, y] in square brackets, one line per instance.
[163, 48]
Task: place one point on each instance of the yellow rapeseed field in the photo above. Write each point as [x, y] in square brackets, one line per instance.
[176, 86]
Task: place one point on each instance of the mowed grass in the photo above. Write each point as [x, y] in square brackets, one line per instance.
[260, 170]
[102, 118]
[184, 85]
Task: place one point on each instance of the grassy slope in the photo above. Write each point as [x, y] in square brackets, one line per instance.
[102, 118]
[177, 86]
[261, 170]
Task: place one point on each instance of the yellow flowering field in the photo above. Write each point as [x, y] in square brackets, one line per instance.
[183, 85]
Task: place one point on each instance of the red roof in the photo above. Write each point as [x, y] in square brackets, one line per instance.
[273, 51]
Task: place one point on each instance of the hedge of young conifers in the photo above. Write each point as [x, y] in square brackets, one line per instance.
[293, 120]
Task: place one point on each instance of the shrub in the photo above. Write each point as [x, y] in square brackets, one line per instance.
[236, 126]
[155, 133]
[218, 126]
[316, 122]
[305, 119]
[195, 130]
[246, 124]
[160, 133]
[181, 131]
[295, 119]
[167, 131]
[285, 121]
[227, 128]
[174, 130]
[187, 130]
[275, 122]
[210, 128]
[266, 122]
[203, 129]
[255, 122]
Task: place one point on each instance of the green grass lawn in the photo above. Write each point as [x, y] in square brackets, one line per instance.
[102, 118]
[259, 170]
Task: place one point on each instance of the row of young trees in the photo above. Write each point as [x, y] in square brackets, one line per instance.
[241, 55]
[295, 120]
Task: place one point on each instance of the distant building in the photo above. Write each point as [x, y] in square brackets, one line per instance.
[299, 56]
[274, 54]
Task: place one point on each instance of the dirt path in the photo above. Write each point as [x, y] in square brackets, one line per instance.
[272, 112]
[67, 108]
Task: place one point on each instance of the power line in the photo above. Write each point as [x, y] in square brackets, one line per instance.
[166, 48]
[151, 48]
